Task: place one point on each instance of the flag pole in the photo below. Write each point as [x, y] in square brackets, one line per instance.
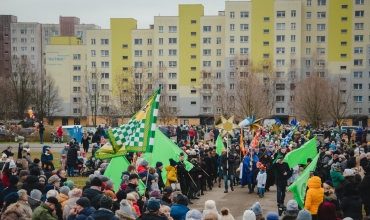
[147, 174]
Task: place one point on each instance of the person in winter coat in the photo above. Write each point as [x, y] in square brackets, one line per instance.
[331, 197]
[351, 203]
[35, 199]
[249, 166]
[71, 159]
[261, 181]
[82, 210]
[13, 180]
[210, 206]
[227, 163]
[125, 211]
[158, 168]
[171, 175]
[19, 210]
[179, 210]
[291, 211]
[152, 212]
[85, 141]
[47, 159]
[282, 173]
[364, 189]
[104, 212]
[267, 162]
[73, 196]
[31, 183]
[94, 193]
[257, 209]
[63, 196]
[63, 151]
[46, 211]
[314, 195]
[327, 212]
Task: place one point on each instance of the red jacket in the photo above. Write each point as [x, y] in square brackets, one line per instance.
[141, 169]
[191, 133]
[60, 131]
[5, 180]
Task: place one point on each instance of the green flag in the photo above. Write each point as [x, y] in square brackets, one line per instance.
[299, 186]
[219, 145]
[114, 171]
[163, 150]
[299, 156]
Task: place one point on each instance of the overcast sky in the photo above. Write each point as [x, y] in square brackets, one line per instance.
[100, 11]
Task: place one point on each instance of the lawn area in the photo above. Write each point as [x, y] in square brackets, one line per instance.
[79, 181]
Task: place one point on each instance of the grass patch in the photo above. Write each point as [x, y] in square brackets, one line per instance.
[79, 181]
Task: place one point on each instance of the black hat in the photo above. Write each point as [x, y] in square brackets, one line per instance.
[167, 190]
[158, 164]
[35, 172]
[182, 200]
[328, 182]
[367, 169]
[172, 162]
[36, 161]
[181, 154]
[106, 202]
[11, 198]
[83, 201]
[133, 176]
[96, 182]
[53, 200]
[13, 180]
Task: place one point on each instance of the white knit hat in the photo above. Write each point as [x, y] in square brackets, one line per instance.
[249, 215]
[12, 164]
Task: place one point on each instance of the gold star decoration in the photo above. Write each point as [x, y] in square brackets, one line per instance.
[227, 126]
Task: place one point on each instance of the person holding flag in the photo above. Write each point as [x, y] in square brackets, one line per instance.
[249, 166]
[227, 161]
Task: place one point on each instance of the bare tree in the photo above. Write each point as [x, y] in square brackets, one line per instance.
[6, 99]
[168, 108]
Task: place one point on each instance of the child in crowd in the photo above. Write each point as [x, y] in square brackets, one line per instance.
[64, 161]
[261, 181]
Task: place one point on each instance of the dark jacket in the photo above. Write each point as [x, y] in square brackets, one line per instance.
[5, 192]
[160, 179]
[166, 201]
[149, 216]
[72, 155]
[33, 203]
[87, 186]
[32, 182]
[96, 138]
[41, 129]
[86, 212]
[364, 189]
[227, 161]
[94, 196]
[290, 215]
[208, 160]
[131, 188]
[178, 212]
[102, 214]
[281, 179]
[352, 207]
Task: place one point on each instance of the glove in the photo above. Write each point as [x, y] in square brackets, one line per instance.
[263, 184]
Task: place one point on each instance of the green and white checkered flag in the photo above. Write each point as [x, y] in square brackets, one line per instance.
[137, 135]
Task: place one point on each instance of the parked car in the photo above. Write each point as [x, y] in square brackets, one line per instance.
[165, 130]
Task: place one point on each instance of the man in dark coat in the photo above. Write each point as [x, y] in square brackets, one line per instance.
[209, 172]
[152, 212]
[11, 188]
[227, 161]
[183, 175]
[216, 133]
[178, 133]
[282, 173]
[71, 159]
[41, 132]
[364, 189]
[94, 193]
[32, 182]
[104, 212]
[158, 168]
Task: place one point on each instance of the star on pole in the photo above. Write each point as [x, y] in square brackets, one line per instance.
[227, 126]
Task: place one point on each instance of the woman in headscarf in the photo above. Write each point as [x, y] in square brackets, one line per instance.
[249, 165]
[267, 162]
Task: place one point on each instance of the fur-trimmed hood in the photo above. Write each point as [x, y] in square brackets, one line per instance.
[124, 216]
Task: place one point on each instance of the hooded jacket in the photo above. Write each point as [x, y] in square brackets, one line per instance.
[71, 203]
[33, 203]
[327, 212]
[171, 175]
[125, 216]
[336, 177]
[149, 216]
[102, 214]
[314, 195]
[352, 207]
[86, 212]
[63, 151]
[32, 182]
[19, 210]
[94, 196]
[72, 155]
[178, 212]
[364, 189]
[62, 199]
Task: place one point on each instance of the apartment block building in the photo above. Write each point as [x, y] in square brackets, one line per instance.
[298, 36]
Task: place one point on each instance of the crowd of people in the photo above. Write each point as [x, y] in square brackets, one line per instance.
[339, 188]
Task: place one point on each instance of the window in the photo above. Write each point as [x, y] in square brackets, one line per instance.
[32, 40]
[193, 45]
[77, 56]
[172, 63]
[93, 64]
[266, 31]
[308, 74]
[124, 46]
[280, 14]
[193, 33]
[357, 74]
[104, 64]
[292, 50]
[343, 31]
[104, 41]
[139, 64]
[243, 39]
[206, 63]
[344, 6]
[105, 75]
[219, 28]
[193, 21]
[280, 38]
[292, 26]
[160, 41]
[172, 98]
[160, 29]
[293, 13]
[76, 78]
[308, 39]
[343, 67]
[76, 67]
[232, 51]
[344, 19]
[280, 98]
[244, 27]
[343, 55]
[359, 26]
[172, 29]
[320, 50]
[232, 27]
[150, 75]
[150, 53]
[232, 86]
[104, 86]
[266, 19]
[206, 40]
[218, 75]
[279, 110]
[321, 2]
[359, 13]
[308, 27]
[357, 98]
[292, 38]
[359, 38]
[56, 33]
[150, 64]
[76, 110]
[105, 98]
[138, 41]
[76, 99]
[14, 40]
[193, 57]
[280, 74]
[308, 62]
[206, 28]
[321, 14]
[218, 52]
[266, 43]
[358, 50]
[232, 63]
[280, 50]
[160, 52]
[320, 27]
[23, 40]
[23, 48]
[76, 89]
[360, 2]
[357, 86]
[321, 74]
[24, 31]
[218, 41]
[357, 62]
[320, 62]
[243, 50]
[124, 57]
[308, 14]
[207, 52]
[357, 110]
[193, 68]
[266, 55]
[138, 53]
[232, 14]
[105, 53]
[231, 39]
[280, 62]
[172, 86]
[172, 52]
[320, 38]
[280, 26]
[93, 41]
[14, 49]
[343, 43]
[172, 75]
